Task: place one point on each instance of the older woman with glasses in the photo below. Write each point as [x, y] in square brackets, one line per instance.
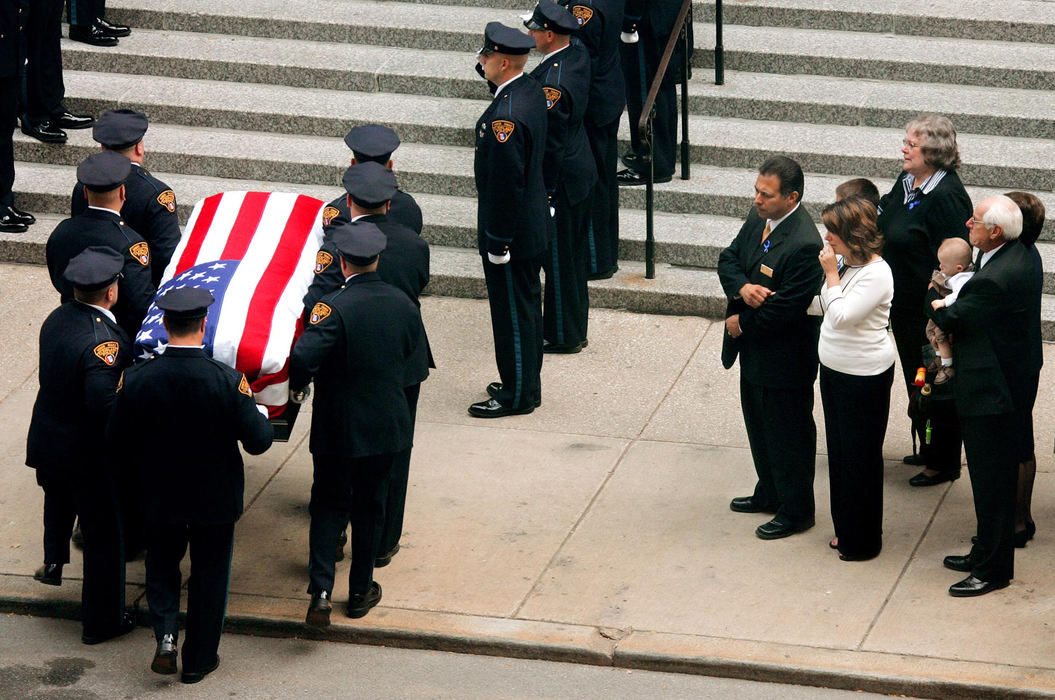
[927, 204]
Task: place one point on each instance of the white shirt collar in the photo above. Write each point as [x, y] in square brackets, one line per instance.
[551, 54]
[105, 312]
[500, 87]
[773, 223]
[987, 256]
[172, 345]
[356, 218]
[116, 213]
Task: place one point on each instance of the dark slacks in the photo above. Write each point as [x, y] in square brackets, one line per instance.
[514, 292]
[603, 227]
[83, 12]
[346, 489]
[42, 87]
[992, 460]
[211, 547]
[943, 454]
[398, 478]
[566, 301]
[855, 420]
[8, 114]
[783, 440]
[640, 62]
[60, 512]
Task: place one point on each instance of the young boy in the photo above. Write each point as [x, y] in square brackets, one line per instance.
[954, 269]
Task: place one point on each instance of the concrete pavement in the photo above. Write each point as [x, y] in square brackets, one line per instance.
[597, 529]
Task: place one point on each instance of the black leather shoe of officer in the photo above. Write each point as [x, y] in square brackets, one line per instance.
[630, 177]
[319, 610]
[9, 223]
[91, 35]
[922, 479]
[165, 656]
[128, 624]
[775, 530]
[360, 603]
[748, 504]
[18, 215]
[386, 558]
[494, 387]
[68, 120]
[957, 563]
[117, 30]
[972, 586]
[914, 460]
[561, 349]
[45, 132]
[50, 574]
[195, 676]
[606, 274]
[492, 408]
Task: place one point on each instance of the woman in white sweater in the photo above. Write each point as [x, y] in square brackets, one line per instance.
[857, 368]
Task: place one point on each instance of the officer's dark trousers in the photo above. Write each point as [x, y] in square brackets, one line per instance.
[603, 227]
[514, 292]
[398, 478]
[783, 439]
[8, 114]
[640, 62]
[566, 303]
[60, 511]
[83, 12]
[343, 489]
[211, 547]
[990, 443]
[42, 87]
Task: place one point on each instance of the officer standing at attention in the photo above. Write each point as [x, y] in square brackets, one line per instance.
[103, 176]
[177, 419]
[513, 219]
[373, 142]
[358, 344]
[12, 19]
[150, 204]
[569, 173]
[82, 353]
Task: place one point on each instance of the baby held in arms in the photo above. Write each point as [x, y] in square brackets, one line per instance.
[954, 269]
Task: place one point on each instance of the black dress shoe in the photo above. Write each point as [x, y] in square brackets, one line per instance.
[92, 35]
[50, 574]
[45, 132]
[972, 586]
[493, 409]
[117, 30]
[24, 216]
[561, 348]
[128, 624]
[606, 274]
[629, 177]
[195, 676]
[914, 460]
[957, 563]
[922, 479]
[495, 387]
[1021, 537]
[165, 656]
[319, 610]
[360, 603]
[68, 120]
[748, 504]
[386, 558]
[9, 223]
[774, 529]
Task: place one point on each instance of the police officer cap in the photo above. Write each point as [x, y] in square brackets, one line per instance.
[499, 38]
[119, 129]
[95, 267]
[369, 184]
[104, 171]
[549, 16]
[372, 141]
[359, 242]
[187, 303]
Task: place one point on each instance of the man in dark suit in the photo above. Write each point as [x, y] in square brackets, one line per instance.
[178, 419]
[103, 176]
[513, 219]
[770, 273]
[989, 326]
[82, 353]
[357, 346]
[12, 55]
[375, 143]
[150, 204]
[569, 173]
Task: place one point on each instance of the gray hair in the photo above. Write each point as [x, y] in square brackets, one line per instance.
[1003, 212]
[939, 140]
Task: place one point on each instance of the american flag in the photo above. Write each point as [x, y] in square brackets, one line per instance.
[255, 251]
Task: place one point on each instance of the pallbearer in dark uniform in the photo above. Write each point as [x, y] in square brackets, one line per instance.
[178, 419]
[600, 22]
[150, 204]
[88, 23]
[371, 188]
[82, 353]
[569, 173]
[376, 143]
[358, 345]
[513, 219]
[103, 176]
[12, 56]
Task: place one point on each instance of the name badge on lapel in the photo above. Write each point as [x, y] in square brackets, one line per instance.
[766, 270]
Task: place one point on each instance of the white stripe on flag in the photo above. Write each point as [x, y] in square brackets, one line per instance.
[226, 214]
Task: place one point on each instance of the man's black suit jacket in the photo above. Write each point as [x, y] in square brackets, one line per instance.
[778, 347]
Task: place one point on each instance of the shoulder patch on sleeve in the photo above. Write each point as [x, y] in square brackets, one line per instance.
[107, 352]
[167, 199]
[141, 252]
[552, 96]
[503, 129]
[329, 214]
[322, 261]
[319, 312]
[582, 14]
[243, 387]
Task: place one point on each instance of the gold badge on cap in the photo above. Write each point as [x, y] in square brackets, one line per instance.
[322, 261]
[552, 95]
[503, 129]
[328, 215]
[319, 312]
[583, 14]
[243, 387]
[167, 199]
[107, 352]
[141, 252]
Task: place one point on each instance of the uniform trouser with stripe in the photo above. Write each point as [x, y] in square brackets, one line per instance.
[82, 13]
[398, 478]
[8, 113]
[566, 303]
[603, 227]
[42, 87]
[211, 547]
[514, 292]
[640, 62]
[60, 511]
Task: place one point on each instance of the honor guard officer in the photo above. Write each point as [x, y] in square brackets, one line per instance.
[82, 353]
[373, 142]
[600, 22]
[103, 176]
[178, 418]
[150, 204]
[513, 219]
[12, 23]
[357, 345]
[371, 188]
[569, 172]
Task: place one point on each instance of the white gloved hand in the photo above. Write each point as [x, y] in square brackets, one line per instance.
[301, 396]
[631, 38]
[499, 259]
